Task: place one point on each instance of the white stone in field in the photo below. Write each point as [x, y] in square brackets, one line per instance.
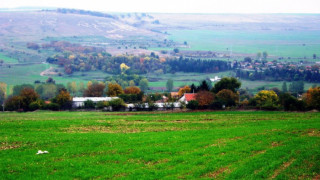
[42, 152]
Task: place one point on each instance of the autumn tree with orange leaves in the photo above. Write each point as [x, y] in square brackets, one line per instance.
[204, 98]
[313, 98]
[132, 90]
[64, 99]
[28, 95]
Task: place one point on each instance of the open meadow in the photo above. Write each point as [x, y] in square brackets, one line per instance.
[283, 43]
[160, 145]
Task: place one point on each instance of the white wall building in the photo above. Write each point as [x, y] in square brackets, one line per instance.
[79, 101]
[216, 78]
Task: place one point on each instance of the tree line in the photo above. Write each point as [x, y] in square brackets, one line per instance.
[225, 94]
[281, 74]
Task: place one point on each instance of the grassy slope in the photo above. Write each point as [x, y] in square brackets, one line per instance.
[230, 145]
[7, 59]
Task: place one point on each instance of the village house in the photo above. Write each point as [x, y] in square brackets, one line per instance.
[216, 78]
[188, 97]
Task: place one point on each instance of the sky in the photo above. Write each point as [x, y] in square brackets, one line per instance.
[176, 6]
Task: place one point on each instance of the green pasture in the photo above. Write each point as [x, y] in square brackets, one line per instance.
[277, 43]
[190, 145]
[7, 59]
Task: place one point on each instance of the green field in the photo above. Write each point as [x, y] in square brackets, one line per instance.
[276, 43]
[7, 59]
[17, 75]
[221, 145]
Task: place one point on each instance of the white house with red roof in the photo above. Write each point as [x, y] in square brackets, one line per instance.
[188, 97]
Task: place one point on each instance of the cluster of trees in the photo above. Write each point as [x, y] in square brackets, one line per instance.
[48, 95]
[107, 63]
[198, 65]
[29, 100]
[285, 73]
[226, 94]
[75, 57]
[222, 94]
[129, 80]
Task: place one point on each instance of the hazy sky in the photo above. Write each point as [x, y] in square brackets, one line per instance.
[177, 6]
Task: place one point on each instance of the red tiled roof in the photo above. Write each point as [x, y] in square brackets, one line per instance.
[190, 97]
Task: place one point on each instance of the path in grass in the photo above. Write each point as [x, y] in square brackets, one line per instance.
[232, 145]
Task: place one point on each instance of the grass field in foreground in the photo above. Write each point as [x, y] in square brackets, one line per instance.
[232, 145]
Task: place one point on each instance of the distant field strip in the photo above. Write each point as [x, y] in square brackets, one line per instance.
[295, 43]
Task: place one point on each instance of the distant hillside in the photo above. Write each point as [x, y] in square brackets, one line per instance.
[40, 24]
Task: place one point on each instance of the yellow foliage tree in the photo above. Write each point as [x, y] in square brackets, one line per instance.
[114, 89]
[185, 89]
[266, 96]
[124, 67]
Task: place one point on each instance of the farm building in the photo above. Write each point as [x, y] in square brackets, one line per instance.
[216, 78]
[79, 101]
[188, 97]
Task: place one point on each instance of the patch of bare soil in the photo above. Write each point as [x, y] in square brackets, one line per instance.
[276, 144]
[217, 173]
[255, 153]
[48, 72]
[284, 166]
[313, 132]
[104, 129]
[12, 145]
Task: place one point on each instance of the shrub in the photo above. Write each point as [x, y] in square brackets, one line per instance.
[193, 105]
[153, 106]
[52, 107]
[13, 103]
[102, 104]
[270, 105]
[140, 106]
[290, 103]
[88, 104]
[117, 104]
[217, 104]
[35, 105]
[228, 97]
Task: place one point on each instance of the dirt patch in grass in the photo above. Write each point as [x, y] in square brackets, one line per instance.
[283, 167]
[104, 129]
[313, 132]
[255, 153]
[11, 145]
[223, 142]
[217, 173]
[276, 144]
